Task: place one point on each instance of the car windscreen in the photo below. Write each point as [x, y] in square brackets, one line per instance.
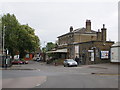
[71, 60]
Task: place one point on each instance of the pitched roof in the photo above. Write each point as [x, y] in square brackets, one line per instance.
[80, 31]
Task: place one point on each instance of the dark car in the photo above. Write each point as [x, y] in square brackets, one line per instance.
[17, 61]
[70, 62]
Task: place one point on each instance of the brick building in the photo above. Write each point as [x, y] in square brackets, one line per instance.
[89, 45]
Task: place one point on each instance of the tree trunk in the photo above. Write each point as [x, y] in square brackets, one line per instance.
[22, 54]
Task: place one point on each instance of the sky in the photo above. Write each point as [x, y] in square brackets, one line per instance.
[52, 18]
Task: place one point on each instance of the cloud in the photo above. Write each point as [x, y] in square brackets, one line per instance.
[51, 19]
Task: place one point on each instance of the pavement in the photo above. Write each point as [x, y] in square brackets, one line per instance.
[22, 82]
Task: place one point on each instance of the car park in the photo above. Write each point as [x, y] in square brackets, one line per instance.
[69, 62]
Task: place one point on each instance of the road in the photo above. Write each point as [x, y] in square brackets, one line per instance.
[40, 75]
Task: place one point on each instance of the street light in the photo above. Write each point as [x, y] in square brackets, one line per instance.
[3, 40]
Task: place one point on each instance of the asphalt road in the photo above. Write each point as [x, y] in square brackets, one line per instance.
[41, 75]
[80, 81]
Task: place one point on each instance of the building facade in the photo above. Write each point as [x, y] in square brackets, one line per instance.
[89, 45]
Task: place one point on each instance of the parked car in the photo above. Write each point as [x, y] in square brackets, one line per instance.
[69, 62]
[17, 61]
[24, 61]
[37, 59]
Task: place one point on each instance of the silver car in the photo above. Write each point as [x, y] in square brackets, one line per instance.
[69, 62]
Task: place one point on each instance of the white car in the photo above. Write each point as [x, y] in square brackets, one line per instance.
[36, 58]
[70, 62]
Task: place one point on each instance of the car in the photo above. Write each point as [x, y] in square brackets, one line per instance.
[37, 59]
[69, 62]
[24, 61]
[17, 61]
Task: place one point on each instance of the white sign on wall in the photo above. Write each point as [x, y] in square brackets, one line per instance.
[115, 54]
[77, 50]
[90, 50]
[92, 56]
[104, 54]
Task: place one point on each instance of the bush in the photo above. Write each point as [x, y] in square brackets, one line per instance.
[58, 61]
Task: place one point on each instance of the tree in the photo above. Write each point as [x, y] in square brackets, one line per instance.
[10, 26]
[19, 38]
[0, 35]
[28, 41]
[50, 46]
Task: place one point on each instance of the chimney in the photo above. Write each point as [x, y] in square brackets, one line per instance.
[88, 25]
[99, 35]
[71, 28]
[103, 31]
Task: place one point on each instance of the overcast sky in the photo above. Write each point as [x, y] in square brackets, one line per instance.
[53, 18]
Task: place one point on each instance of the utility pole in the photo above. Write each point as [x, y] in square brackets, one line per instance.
[3, 46]
[3, 40]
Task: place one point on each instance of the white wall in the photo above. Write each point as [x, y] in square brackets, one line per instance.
[115, 52]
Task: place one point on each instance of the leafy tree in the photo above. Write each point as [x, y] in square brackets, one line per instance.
[19, 38]
[50, 46]
[10, 26]
[0, 34]
[28, 41]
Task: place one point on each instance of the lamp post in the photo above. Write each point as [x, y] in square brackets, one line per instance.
[6, 60]
[3, 39]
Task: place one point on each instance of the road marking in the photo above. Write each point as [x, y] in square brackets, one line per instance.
[38, 85]
[105, 74]
[77, 67]
[38, 69]
[41, 83]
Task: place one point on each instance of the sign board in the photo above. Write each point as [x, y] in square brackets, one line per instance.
[90, 50]
[92, 56]
[104, 54]
[76, 49]
[27, 56]
[16, 57]
[7, 51]
[115, 57]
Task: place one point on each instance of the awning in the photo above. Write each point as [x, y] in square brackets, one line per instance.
[58, 51]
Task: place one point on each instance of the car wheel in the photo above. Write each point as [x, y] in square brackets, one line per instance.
[67, 65]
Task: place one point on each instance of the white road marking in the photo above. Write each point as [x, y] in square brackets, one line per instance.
[38, 69]
[38, 85]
